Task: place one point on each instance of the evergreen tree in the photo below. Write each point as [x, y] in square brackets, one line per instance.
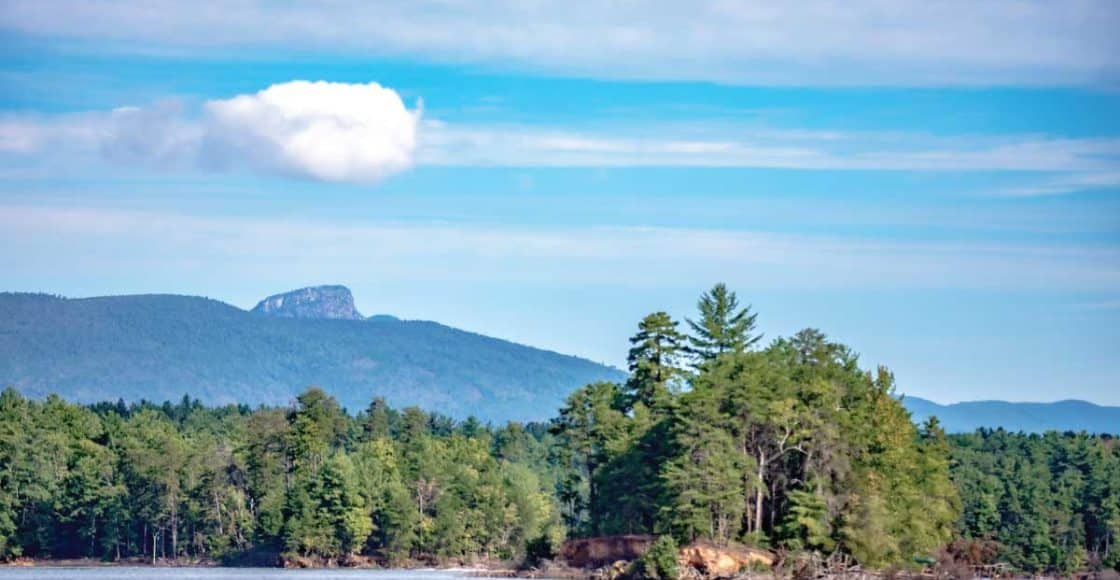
[705, 492]
[654, 361]
[723, 327]
[592, 430]
[807, 523]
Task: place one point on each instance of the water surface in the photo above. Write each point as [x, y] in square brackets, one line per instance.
[144, 573]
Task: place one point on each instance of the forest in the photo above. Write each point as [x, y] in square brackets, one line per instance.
[789, 445]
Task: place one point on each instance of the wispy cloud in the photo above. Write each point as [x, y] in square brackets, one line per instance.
[88, 240]
[360, 133]
[1107, 178]
[723, 146]
[817, 42]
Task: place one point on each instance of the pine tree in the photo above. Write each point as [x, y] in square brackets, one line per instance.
[705, 493]
[723, 327]
[592, 430]
[806, 525]
[655, 361]
[377, 420]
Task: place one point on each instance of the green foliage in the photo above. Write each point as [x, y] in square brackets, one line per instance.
[184, 480]
[593, 429]
[723, 327]
[791, 445]
[325, 513]
[806, 524]
[705, 488]
[660, 561]
[1051, 501]
[655, 361]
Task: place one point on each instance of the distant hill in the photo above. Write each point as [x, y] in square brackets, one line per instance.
[1030, 417]
[160, 347]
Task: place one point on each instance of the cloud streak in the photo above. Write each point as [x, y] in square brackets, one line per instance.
[79, 239]
[445, 144]
[816, 42]
[333, 132]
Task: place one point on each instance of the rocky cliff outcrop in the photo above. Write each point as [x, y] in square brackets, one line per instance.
[611, 556]
[334, 302]
[714, 561]
[595, 552]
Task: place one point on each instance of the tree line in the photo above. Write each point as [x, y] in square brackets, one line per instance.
[791, 446]
[119, 481]
[1047, 502]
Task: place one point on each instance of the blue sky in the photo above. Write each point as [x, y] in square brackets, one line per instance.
[935, 184]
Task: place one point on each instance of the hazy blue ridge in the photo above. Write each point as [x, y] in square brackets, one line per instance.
[160, 347]
[1069, 415]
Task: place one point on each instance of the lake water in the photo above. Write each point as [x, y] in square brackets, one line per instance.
[143, 573]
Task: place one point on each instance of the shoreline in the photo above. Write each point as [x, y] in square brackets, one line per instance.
[140, 563]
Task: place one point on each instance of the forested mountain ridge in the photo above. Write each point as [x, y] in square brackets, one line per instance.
[160, 347]
[1069, 415]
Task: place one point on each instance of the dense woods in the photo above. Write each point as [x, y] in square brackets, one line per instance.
[791, 446]
[1048, 502]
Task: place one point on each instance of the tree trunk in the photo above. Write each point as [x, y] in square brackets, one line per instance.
[758, 491]
[746, 481]
[773, 503]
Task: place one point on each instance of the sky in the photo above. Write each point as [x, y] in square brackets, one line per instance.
[935, 184]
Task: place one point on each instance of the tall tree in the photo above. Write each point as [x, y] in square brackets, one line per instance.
[318, 426]
[705, 493]
[592, 430]
[655, 361]
[723, 327]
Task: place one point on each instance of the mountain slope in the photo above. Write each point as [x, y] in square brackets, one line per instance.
[162, 346]
[1030, 417]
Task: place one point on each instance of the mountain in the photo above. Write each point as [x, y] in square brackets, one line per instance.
[1067, 415]
[160, 347]
[316, 302]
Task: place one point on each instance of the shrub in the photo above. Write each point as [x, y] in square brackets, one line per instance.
[537, 550]
[660, 561]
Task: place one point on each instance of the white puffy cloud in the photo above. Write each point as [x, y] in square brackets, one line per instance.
[318, 130]
[327, 131]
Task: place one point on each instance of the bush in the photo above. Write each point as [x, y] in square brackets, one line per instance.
[538, 550]
[660, 561]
